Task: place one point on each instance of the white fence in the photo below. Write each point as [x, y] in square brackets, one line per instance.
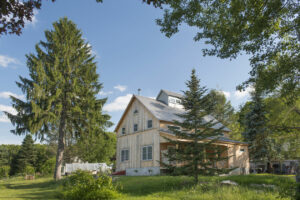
[92, 167]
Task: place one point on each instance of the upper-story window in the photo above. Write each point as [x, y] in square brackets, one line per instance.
[149, 123]
[135, 111]
[178, 101]
[135, 127]
[123, 131]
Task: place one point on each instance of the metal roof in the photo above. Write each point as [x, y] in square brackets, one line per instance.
[166, 113]
[169, 93]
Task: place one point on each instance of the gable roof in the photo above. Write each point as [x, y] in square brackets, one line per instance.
[163, 112]
[169, 93]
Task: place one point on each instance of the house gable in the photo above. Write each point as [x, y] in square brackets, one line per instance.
[136, 114]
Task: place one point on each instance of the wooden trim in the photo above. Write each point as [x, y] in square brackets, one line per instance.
[124, 114]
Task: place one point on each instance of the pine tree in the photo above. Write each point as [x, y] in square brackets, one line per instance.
[199, 153]
[61, 92]
[26, 156]
[256, 132]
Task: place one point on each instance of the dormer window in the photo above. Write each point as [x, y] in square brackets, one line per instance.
[171, 100]
[178, 101]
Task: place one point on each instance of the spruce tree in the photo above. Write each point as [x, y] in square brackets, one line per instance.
[256, 132]
[61, 91]
[26, 156]
[196, 152]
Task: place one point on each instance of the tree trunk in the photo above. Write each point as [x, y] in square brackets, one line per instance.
[60, 148]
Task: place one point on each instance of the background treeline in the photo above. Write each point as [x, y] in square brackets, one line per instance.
[39, 159]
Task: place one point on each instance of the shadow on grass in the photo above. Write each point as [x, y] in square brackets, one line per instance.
[33, 190]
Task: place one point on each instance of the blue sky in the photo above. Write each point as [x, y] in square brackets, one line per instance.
[131, 53]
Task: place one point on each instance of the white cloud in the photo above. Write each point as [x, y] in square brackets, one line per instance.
[118, 104]
[6, 95]
[241, 94]
[6, 60]
[121, 88]
[102, 93]
[227, 94]
[33, 19]
[9, 109]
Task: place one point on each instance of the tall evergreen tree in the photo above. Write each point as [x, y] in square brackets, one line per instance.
[26, 156]
[199, 154]
[256, 132]
[61, 91]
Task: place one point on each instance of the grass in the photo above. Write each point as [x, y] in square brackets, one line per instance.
[161, 187]
[18, 188]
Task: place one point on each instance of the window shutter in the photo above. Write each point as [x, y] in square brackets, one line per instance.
[150, 153]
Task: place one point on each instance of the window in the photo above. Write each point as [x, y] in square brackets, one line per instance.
[135, 127]
[171, 100]
[136, 111]
[178, 101]
[123, 131]
[124, 155]
[149, 124]
[242, 150]
[147, 153]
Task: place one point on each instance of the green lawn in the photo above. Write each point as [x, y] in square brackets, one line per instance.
[161, 187]
[18, 188]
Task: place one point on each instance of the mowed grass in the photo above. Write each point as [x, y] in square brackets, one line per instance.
[19, 189]
[161, 187]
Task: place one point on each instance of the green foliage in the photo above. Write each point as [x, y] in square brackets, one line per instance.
[29, 170]
[267, 30]
[98, 147]
[44, 154]
[4, 171]
[61, 91]
[25, 157]
[7, 153]
[82, 185]
[198, 154]
[221, 109]
[256, 132]
[48, 167]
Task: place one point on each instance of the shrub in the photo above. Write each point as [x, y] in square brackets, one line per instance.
[4, 171]
[29, 170]
[48, 167]
[82, 185]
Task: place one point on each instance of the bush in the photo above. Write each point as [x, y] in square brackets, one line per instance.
[82, 185]
[4, 171]
[48, 167]
[29, 170]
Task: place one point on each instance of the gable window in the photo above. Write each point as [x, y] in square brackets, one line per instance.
[147, 153]
[124, 155]
[135, 111]
[123, 131]
[149, 124]
[135, 127]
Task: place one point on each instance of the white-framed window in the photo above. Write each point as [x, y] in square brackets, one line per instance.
[135, 127]
[123, 131]
[147, 152]
[242, 150]
[124, 155]
[149, 123]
